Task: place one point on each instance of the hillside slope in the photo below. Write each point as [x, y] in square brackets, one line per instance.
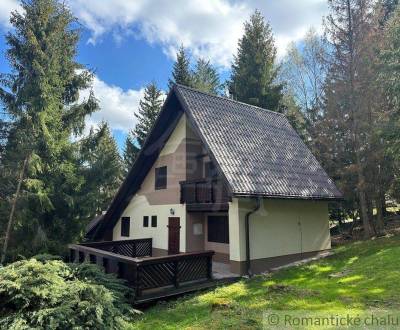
[359, 276]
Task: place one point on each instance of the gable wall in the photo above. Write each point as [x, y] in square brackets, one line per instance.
[148, 201]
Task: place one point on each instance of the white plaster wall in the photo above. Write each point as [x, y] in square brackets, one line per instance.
[138, 208]
[237, 250]
[280, 227]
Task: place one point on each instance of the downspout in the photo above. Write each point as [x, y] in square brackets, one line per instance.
[247, 230]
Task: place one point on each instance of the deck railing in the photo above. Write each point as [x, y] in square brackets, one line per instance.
[149, 275]
[203, 191]
[129, 248]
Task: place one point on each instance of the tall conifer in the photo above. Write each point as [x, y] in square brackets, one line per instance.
[149, 108]
[181, 70]
[41, 96]
[205, 77]
[253, 70]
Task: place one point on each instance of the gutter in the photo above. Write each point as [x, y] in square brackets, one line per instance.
[247, 231]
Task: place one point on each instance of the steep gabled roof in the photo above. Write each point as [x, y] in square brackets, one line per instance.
[256, 151]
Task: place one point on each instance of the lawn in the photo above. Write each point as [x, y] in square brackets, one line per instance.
[359, 276]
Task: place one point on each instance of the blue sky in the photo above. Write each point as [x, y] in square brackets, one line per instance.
[130, 43]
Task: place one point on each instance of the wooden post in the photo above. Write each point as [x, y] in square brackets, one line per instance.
[209, 267]
[138, 281]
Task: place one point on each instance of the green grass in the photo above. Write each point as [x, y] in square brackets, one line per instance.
[358, 276]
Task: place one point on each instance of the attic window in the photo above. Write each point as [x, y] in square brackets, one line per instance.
[210, 171]
[125, 226]
[161, 178]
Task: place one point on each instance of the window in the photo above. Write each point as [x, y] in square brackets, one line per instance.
[145, 221]
[210, 171]
[161, 178]
[218, 229]
[154, 221]
[125, 224]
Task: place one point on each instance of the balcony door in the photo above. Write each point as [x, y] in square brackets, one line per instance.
[174, 229]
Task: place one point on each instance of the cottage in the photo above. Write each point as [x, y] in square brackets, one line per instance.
[217, 174]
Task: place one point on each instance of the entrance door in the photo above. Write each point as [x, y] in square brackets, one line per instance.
[173, 235]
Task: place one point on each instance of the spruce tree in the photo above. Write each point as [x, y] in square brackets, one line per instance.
[253, 69]
[351, 112]
[41, 96]
[149, 108]
[205, 78]
[181, 72]
[389, 79]
[131, 151]
[103, 171]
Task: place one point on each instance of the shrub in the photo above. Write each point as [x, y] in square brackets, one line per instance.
[51, 294]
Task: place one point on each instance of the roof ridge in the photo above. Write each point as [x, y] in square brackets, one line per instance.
[228, 99]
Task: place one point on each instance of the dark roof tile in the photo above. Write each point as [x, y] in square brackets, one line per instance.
[257, 150]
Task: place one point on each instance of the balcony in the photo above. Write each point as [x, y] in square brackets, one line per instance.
[204, 195]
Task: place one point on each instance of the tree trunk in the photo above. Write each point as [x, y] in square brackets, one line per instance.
[355, 129]
[380, 226]
[382, 203]
[12, 212]
[363, 200]
[370, 210]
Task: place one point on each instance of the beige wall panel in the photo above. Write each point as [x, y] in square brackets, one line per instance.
[283, 227]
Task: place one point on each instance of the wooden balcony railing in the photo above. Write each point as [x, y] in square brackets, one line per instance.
[154, 274]
[130, 248]
[206, 191]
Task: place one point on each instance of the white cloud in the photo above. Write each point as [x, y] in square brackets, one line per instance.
[117, 106]
[6, 7]
[208, 28]
[290, 20]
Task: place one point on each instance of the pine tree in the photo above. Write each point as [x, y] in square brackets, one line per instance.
[205, 78]
[389, 79]
[103, 171]
[181, 71]
[350, 94]
[253, 71]
[149, 108]
[41, 95]
[131, 151]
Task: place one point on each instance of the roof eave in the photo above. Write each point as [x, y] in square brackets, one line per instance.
[294, 197]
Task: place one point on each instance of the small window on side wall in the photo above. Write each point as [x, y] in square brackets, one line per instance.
[125, 226]
[154, 221]
[145, 221]
[161, 178]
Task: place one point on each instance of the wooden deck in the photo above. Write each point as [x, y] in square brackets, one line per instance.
[151, 277]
